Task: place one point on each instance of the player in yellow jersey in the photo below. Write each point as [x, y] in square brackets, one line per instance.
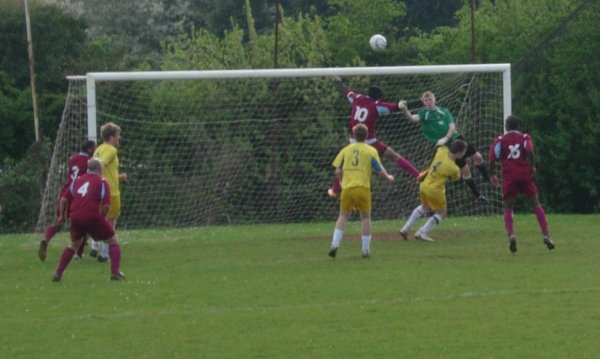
[353, 166]
[432, 191]
[107, 153]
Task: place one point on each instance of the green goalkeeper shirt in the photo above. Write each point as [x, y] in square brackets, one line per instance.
[435, 122]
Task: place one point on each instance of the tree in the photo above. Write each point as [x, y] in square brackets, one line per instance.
[349, 30]
[58, 40]
[559, 102]
[505, 31]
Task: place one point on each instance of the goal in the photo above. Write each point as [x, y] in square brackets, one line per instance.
[256, 146]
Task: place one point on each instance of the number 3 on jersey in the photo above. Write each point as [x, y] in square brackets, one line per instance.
[83, 189]
[355, 157]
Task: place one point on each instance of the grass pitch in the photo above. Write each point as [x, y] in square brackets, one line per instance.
[271, 291]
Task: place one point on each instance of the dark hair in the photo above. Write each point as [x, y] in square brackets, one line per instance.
[360, 132]
[457, 146]
[511, 122]
[87, 145]
[375, 92]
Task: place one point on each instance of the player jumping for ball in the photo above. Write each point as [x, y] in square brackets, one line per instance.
[366, 110]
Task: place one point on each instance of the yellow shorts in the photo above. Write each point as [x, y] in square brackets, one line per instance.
[355, 199]
[434, 200]
[114, 210]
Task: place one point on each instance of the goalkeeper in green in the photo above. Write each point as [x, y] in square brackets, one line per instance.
[438, 128]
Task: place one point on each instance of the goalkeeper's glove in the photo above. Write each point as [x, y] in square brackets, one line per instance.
[402, 106]
[442, 141]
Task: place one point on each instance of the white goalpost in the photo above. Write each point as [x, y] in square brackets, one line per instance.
[252, 146]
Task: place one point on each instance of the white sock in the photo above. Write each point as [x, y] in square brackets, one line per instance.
[104, 250]
[366, 243]
[416, 214]
[94, 245]
[337, 238]
[431, 223]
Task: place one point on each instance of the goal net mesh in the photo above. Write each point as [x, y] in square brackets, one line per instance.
[259, 150]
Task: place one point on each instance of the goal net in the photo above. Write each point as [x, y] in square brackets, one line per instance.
[256, 146]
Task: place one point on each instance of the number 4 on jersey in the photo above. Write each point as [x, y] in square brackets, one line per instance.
[83, 189]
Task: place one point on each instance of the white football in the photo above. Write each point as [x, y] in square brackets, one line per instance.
[377, 43]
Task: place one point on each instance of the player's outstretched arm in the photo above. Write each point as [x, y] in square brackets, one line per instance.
[403, 108]
[338, 83]
[442, 141]
[383, 173]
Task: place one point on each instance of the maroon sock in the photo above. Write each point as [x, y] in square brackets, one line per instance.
[407, 166]
[541, 218]
[51, 231]
[114, 252]
[65, 259]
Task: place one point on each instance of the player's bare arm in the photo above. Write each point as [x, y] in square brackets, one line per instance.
[493, 178]
[63, 205]
[104, 209]
[451, 129]
[403, 107]
[339, 173]
[385, 174]
[338, 82]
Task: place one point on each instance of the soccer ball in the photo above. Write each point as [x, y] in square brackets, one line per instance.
[377, 43]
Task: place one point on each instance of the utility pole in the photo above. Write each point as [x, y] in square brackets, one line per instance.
[276, 50]
[36, 121]
[473, 50]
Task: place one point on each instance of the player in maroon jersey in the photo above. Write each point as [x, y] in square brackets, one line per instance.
[515, 151]
[366, 109]
[89, 196]
[77, 167]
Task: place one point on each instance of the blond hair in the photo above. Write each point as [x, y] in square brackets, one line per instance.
[108, 130]
[427, 94]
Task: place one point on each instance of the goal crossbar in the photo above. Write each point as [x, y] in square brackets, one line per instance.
[93, 77]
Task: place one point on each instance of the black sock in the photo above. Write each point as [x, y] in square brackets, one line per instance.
[470, 182]
[483, 171]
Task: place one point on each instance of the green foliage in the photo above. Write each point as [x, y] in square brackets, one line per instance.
[262, 157]
[505, 31]
[15, 118]
[21, 187]
[559, 105]
[349, 30]
[58, 39]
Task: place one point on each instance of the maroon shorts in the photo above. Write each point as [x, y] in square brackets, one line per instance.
[97, 227]
[511, 189]
[380, 147]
